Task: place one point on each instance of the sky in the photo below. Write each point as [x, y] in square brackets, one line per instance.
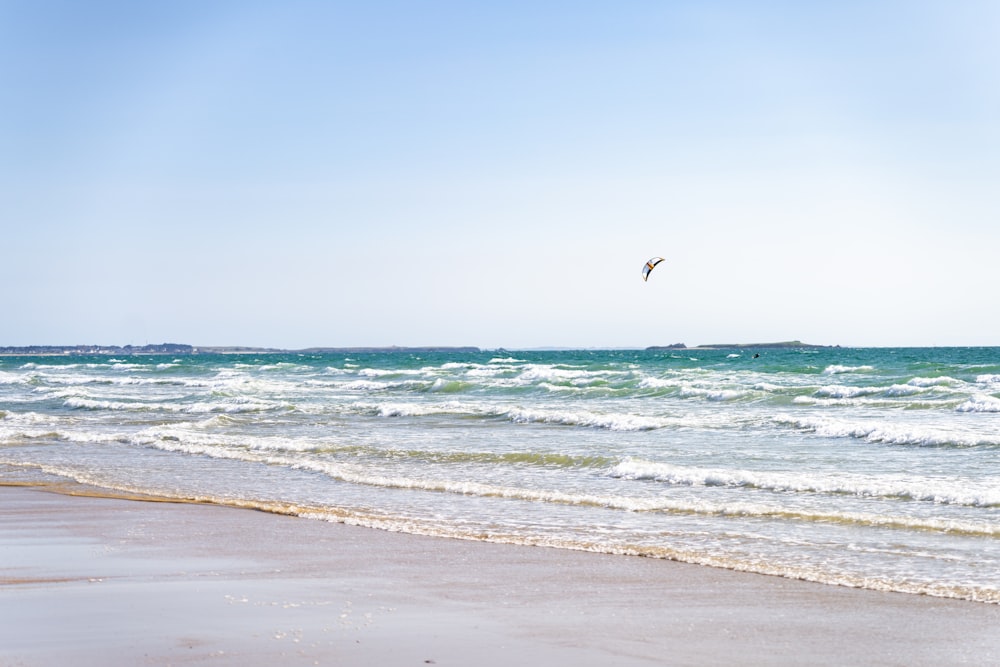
[300, 174]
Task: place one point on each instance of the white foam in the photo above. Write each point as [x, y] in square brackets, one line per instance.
[416, 409]
[890, 434]
[493, 375]
[380, 372]
[850, 391]
[31, 365]
[980, 403]
[234, 405]
[659, 383]
[541, 373]
[451, 366]
[11, 378]
[28, 418]
[18, 425]
[366, 386]
[723, 395]
[122, 367]
[842, 391]
[79, 402]
[907, 389]
[937, 490]
[942, 380]
[195, 439]
[611, 422]
[836, 369]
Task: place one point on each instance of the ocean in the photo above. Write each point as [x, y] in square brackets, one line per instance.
[875, 468]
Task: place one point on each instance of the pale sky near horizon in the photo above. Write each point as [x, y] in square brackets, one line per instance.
[297, 174]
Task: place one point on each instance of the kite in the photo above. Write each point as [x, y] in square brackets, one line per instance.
[649, 267]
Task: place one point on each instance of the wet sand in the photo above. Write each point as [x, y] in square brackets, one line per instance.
[99, 581]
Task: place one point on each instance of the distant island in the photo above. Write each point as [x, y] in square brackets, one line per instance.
[739, 346]
[182, 349]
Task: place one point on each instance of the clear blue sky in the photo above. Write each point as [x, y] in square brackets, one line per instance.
[297, 174]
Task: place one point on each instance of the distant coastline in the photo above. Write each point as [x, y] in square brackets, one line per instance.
[176, 349]
[180, 349]
[740, 346]
[54, 350]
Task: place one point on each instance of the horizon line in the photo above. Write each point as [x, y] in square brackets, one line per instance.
[185, 348]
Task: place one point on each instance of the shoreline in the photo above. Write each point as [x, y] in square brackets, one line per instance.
[97, 579]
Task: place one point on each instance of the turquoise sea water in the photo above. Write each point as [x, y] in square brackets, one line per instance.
[877, 468]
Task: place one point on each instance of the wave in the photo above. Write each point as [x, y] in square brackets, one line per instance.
[12, 378]
[611, 422]
[369, 386]
[840, 391]
[888, 434]
[388, 372]
[722, 395]
[911, 388]
[127, 381]
[683, 388]
[190, 439]
[420, 409]
[180, 438]
[980, 403]
[20, 425]
[504, 376]
[26, 418]
[449, 386]
[836, 369]
[549, 375]
[904, 390]
[868, 486]
[230, 405]
[522, 415]
[942, 380]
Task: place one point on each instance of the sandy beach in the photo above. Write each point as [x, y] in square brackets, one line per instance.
[103, 581]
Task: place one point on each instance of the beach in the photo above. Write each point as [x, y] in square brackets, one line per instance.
[864, 468]
[91, 580]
